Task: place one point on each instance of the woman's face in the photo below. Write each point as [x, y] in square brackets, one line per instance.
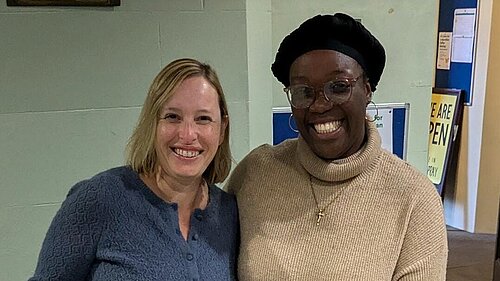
[332, 131]
[190, 130]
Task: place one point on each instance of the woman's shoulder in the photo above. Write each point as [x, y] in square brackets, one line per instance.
[404, 175]
[393, 164]
[221, 197]
[116, 174]
[222, 204]
[261, 160]
[104, 184]
[268, 152]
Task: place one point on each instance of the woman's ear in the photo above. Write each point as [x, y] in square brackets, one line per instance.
[368, 91]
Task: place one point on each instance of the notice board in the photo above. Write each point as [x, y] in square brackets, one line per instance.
[457, 26]
[392, 123]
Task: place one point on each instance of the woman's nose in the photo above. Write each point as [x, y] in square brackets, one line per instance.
[320, 103]
[188, 132]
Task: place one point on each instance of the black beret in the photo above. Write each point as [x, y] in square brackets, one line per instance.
[340, 33]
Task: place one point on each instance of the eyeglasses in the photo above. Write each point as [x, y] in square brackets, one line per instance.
[337, 92]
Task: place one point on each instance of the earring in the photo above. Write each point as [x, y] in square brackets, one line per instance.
[375, 117]
[290, 123]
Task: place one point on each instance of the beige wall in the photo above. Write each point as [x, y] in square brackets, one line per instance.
[473, 206]
[489, 175]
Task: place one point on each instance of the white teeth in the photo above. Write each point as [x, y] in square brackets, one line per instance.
[186, 153]
[325, 128]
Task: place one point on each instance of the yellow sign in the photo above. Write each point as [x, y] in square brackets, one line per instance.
[440, 134]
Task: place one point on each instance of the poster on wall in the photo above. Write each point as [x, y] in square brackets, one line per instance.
[464, 23]
[446, 106]
[444, 51]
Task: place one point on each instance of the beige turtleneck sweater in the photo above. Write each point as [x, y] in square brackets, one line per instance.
[384, 219]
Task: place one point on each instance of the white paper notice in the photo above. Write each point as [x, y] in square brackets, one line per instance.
[444, 50]
[463, 35]
[384, 125]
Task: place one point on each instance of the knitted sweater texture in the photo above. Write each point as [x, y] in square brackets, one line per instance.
[113, 227]
[384, 219]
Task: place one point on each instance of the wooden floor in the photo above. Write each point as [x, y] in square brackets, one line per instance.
[470, 256]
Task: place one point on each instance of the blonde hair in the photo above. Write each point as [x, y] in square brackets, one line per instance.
[141, 153]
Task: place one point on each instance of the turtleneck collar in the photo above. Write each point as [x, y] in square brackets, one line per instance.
[345, 168]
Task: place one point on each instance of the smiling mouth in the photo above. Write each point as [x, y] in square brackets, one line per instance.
[328, 127]
[186, 153]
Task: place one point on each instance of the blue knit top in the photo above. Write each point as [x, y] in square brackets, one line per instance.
[113, 227]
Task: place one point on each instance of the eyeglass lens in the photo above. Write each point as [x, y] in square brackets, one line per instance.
[302, 96]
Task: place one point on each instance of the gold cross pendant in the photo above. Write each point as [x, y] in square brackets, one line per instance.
[319, 215]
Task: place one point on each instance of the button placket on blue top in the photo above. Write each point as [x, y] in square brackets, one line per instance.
[191, 263]
[190, 249]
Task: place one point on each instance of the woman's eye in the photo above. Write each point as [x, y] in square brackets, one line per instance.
[308, 92]
[339, 87]
[172, 117]
[204, 119]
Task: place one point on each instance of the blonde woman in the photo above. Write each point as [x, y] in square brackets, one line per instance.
[160, 217]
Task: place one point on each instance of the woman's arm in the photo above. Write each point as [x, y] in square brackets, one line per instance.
[69, 248]
[424, 252]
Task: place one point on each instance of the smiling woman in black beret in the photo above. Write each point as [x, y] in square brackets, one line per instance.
[332, 204]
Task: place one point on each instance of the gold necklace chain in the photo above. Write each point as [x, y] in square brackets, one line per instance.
[320, 213]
